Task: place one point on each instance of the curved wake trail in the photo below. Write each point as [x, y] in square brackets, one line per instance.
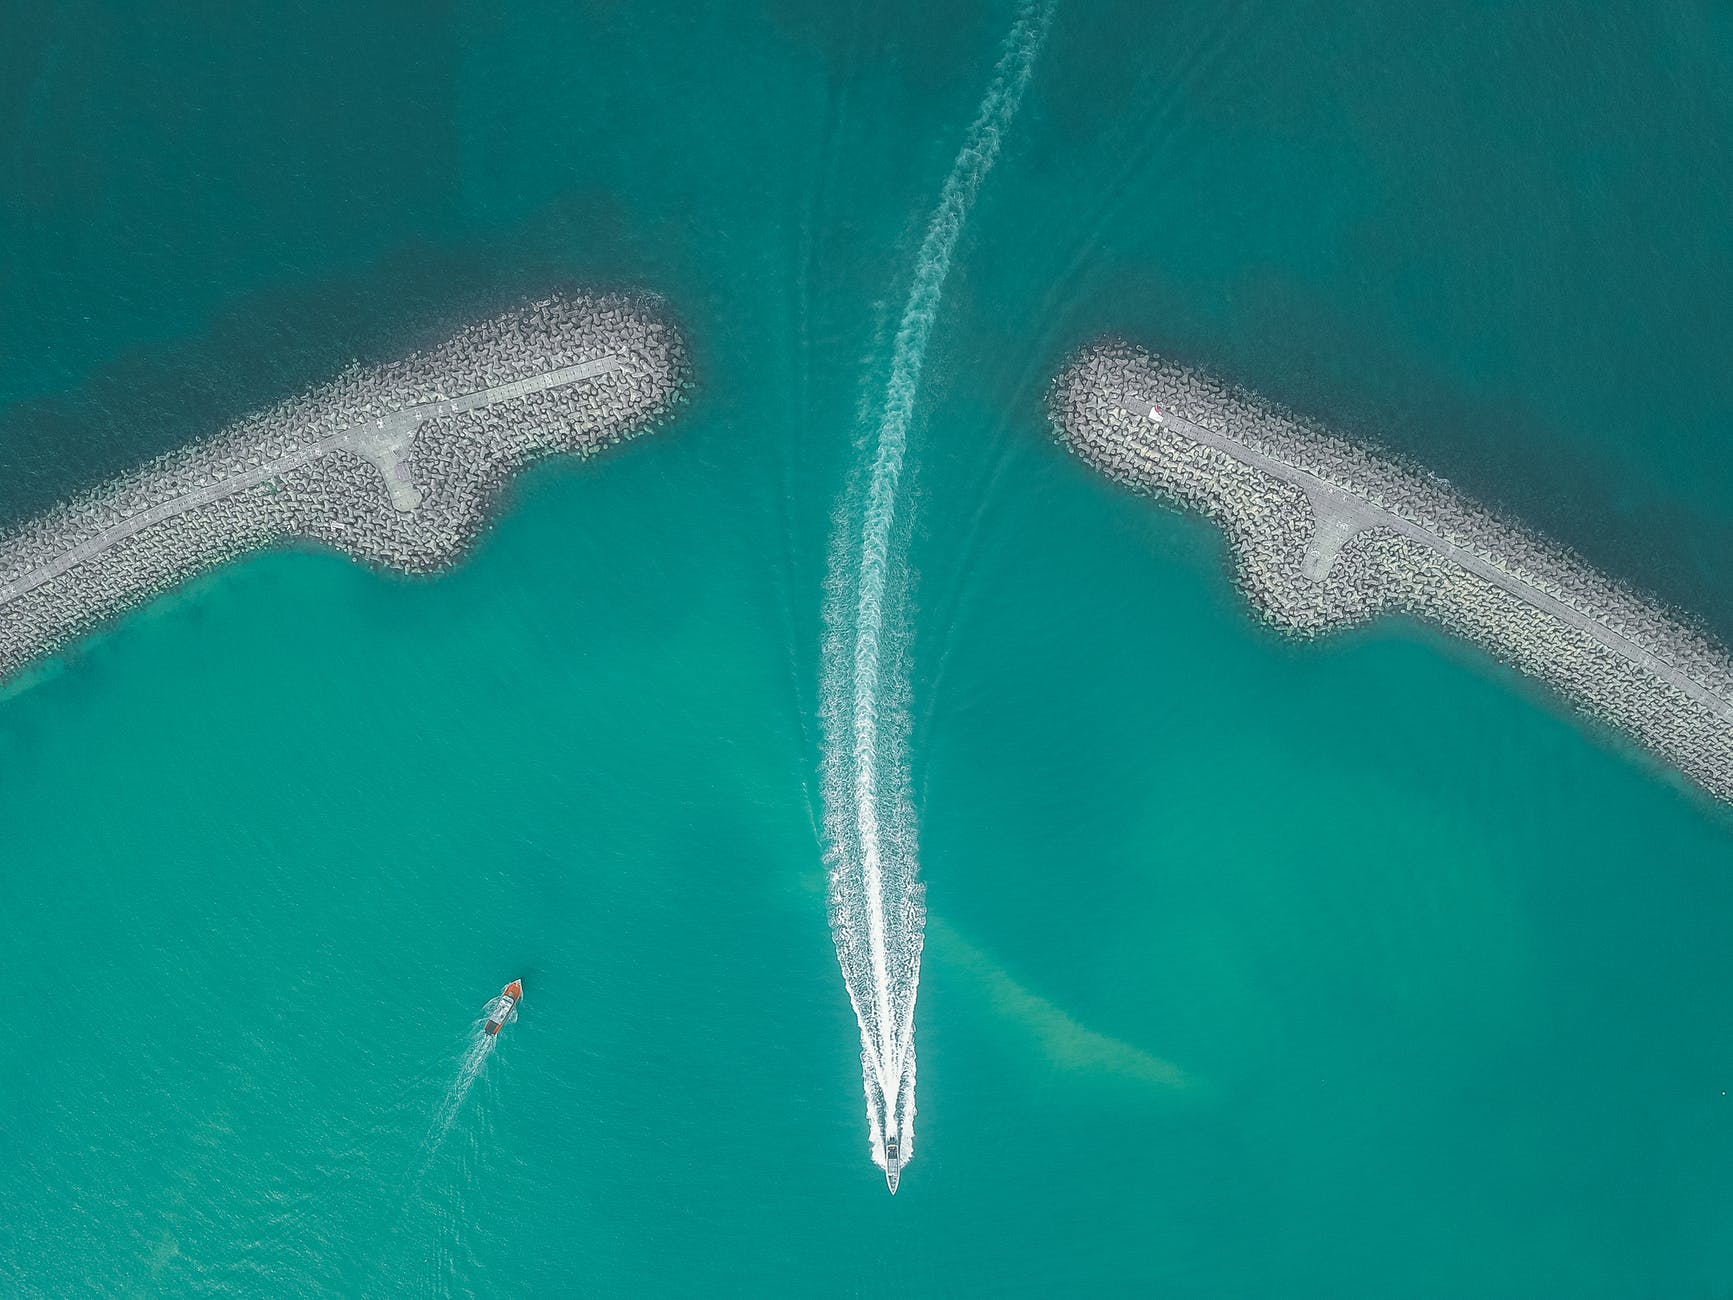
[877, 914]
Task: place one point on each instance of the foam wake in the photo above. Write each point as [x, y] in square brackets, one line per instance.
[481, 1044]
[430, 1229]
[877, 914]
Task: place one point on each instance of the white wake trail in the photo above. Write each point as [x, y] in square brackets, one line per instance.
[876, 909]
[481, 1045]
[432, 1211]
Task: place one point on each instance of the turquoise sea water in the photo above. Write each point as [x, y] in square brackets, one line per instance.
[1349, 969]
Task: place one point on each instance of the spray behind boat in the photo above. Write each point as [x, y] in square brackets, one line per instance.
[498, 1013]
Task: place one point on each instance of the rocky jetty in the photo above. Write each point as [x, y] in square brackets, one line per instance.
[396, 465]
[1326, 534]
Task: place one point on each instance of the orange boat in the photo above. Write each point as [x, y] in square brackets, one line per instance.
[504, 1009]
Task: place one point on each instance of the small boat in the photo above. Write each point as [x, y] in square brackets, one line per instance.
[504, 1009]
[893, 1164]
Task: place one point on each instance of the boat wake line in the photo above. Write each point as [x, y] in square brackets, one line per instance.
[430, 1219]
[481, 1044]
[877, 914]
[483, 1034]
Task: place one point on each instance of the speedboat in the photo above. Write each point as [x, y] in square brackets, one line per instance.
[504, 1007]
[893, 1164]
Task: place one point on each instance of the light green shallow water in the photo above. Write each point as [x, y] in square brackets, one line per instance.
[1352, 969]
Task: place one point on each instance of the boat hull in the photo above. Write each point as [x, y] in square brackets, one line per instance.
[504, 1007]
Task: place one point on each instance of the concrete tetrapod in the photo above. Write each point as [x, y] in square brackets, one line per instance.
[1327, 534]
[395, 465]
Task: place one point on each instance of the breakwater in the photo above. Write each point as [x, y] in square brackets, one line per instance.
[1326, 534]
[394, 465]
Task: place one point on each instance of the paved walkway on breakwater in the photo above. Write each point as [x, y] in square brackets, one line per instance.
[1341, 515]
[384, 441]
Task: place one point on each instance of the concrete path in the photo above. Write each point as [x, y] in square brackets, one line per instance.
[1341, 515]
[384, 441]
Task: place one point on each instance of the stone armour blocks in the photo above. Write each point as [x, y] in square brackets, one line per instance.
[395, 465]
[1325, 535]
